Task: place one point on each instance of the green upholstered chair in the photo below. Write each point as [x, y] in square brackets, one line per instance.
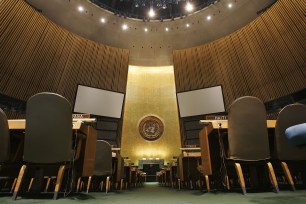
[48, 136]
[4, 138]
[10, 151]
[248, 140]
[285, 152]
[103, 165]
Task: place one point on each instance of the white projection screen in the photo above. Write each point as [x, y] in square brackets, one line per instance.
[98, 102]
[201, 102]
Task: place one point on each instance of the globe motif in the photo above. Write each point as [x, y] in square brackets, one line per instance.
[151, 128]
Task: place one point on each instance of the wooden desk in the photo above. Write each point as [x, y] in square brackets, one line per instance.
[206, 168]
[21, 123]
[224, 123]
[189, 148]
[85, 163]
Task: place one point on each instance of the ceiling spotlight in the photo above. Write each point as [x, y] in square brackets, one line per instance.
[81, 8]
[124, 27]
[102, 20]
[187, 25]
[189, 7]
[230, 5]
[208, 18]
[146, 30]
[151, 12]
[167, 29]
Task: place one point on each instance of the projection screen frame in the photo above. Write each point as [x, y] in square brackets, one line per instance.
[219, 85]
[122, 107]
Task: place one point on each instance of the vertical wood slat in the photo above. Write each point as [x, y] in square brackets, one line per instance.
[36, 55]
[265, 59]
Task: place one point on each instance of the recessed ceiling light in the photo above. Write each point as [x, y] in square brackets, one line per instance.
[187, 25]
[81, 8]
[146, 30]
[167, 29]
[102, 20]
[230, 5]
[124, 27]
[208, 18]
[189, 7]
[151, 12]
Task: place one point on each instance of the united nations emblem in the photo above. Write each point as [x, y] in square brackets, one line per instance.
[151, 127]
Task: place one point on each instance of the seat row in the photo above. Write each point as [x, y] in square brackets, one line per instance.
[248, 154]
[49, 151]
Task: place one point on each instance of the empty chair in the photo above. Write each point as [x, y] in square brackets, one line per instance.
[285, 152]
[48, 136]
[188, 171]
[10, 157]
[103, 165]
[134, 176]
[127, 175]
[174, 174]
[248, 136]
[4, 138]
[119, 175]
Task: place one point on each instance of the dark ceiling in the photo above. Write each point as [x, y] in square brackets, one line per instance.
[165, 9]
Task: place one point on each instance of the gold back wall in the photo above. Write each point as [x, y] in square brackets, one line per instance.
[150, 91]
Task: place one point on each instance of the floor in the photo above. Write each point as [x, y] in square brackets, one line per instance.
[151, 193]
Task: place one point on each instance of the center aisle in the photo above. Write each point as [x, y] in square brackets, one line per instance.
[152, 193]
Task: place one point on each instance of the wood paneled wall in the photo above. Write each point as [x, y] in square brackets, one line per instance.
[266, 58]
[36, 55]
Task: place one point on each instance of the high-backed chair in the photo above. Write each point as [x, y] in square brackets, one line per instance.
[174, 174]
[289, 116]
[127, 175]
[4, 142]
[188, 171]
[4, 138]
[248, 136]
[134, 176]
[103, 164]
[10, 154]
[48, 135]
[119, 175]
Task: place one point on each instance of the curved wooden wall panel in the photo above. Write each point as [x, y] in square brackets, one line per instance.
[36, 55]
[265, 59]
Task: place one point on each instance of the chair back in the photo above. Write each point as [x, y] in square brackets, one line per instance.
[190, 170]
[290, 115]
[4, 138]
[247, 130]
[121, 168]
[103, 159]
[48, 133]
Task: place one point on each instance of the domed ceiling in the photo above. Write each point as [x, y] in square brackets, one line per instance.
[153, 9]
[151, 41]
